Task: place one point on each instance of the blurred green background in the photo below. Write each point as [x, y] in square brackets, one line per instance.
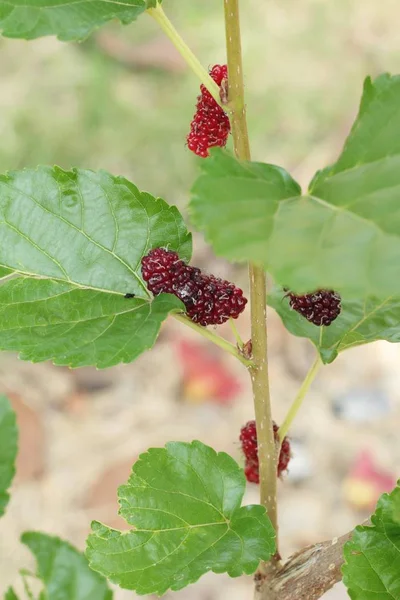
[123, 101]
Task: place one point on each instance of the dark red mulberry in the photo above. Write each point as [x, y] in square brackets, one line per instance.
[208, 299]
[321, 307]
[251, 471]
[248, 438]
[210, 125]
[159, 268]
[285, 453]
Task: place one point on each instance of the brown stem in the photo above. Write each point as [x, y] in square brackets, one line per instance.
[236, 87]
[307, 575]
[258, 302]
[261, 396]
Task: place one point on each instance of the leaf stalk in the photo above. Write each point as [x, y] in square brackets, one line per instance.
[189, 57]
[298, 401]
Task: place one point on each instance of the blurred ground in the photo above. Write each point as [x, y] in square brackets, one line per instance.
[123, 101]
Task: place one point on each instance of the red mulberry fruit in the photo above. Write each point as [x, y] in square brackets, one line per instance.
[208, 300]
[210, 125]
[248, 438]
[321, 307]
[159, 268]
[251, 471]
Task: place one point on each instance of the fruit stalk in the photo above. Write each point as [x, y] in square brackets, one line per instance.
[258, 300]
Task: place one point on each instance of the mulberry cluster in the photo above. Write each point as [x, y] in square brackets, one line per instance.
[321, 307]
[248, 438]
[210, 126]
[208, 299]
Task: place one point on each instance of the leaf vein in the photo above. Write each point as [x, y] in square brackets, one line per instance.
[25, 237]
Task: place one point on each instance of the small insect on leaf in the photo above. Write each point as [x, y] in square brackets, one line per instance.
[129, 295]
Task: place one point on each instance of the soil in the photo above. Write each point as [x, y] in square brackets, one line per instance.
[80, 432]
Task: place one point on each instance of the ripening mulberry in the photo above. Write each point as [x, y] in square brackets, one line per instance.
[251, 471]
[321, 307]
[210, 125]
[248, 438]
[208, 299]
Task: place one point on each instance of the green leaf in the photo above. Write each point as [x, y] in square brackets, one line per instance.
[344, 235]
[373, 139]
[87, 233]
[27, 588]
[360, 322]
[372, 556]
[5, 272]
[64, 571]
[87, 228]
[53, 320]
[8, 450]
[184, 504]
[10, 595]
[235, 204]
[68, 20]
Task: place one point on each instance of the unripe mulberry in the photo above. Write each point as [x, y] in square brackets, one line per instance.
[208, 300]
[248, 438]
[321, 307]
[210, 125]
